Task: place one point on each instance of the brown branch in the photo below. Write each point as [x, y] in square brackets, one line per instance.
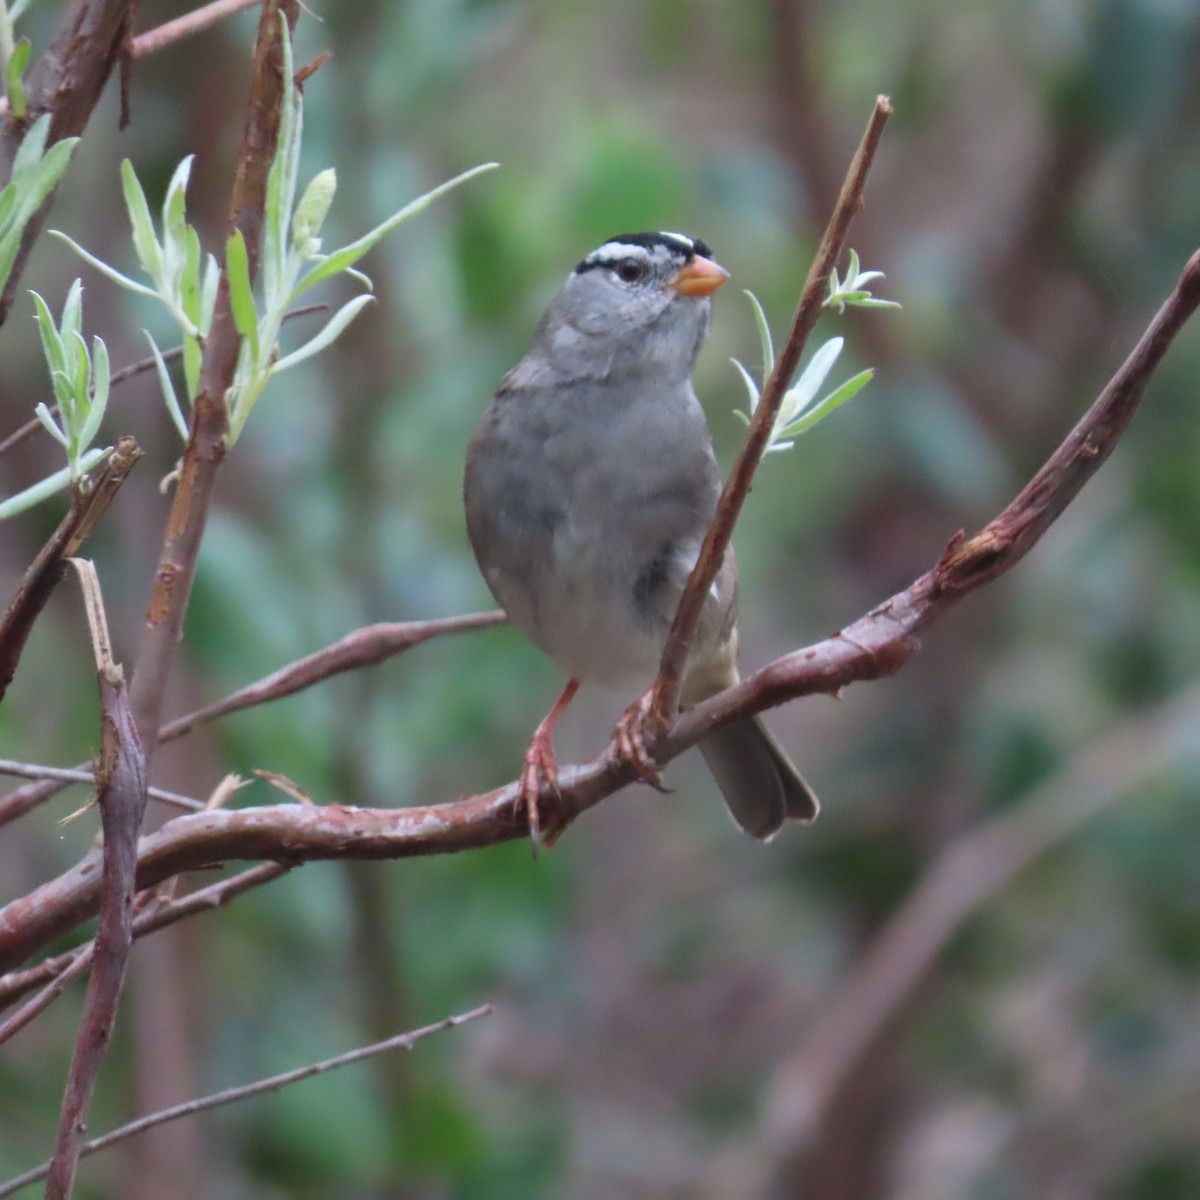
[877, 644]
[66, 81]
[70, 967]
[205, 450]
[87, 507]
[363, 647]
[864, 1006]
[169, 32]
[664, 696]
[162, 913]
[402, 1041]
[121, 792]
[68, 775]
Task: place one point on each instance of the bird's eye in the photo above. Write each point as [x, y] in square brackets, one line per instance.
[630, 270]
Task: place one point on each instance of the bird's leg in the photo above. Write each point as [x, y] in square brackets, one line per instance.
[541, 766]
[631, 731]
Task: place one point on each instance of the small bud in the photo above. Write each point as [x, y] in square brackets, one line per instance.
[313, 208]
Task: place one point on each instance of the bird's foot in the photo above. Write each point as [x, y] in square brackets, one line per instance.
[539, 784]
[637, 730]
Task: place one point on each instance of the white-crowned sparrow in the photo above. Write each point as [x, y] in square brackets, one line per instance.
[590, 484]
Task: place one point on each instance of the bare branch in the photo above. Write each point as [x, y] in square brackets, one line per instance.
[72, 965]
[87, 507]
[665, 693]
[199, 19]
[402, 1041]
[121, 792]
[363, 647]
[68, 775]
[160, 914]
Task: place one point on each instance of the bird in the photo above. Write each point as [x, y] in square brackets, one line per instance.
[590, 483]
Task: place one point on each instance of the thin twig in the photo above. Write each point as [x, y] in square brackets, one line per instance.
[206, 446]
[403, 1041]
[363, 647]
[162, 913]
[121, 792]
[69, 775]
[76, 962]
[87, 507]
[199, 19]
[664, 699]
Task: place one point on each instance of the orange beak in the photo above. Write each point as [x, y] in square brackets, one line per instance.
[699, 277]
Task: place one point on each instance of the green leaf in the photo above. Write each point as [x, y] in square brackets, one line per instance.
[12, 82]
[52, 346]
[81, 365]
[193, 360]
[32, 147]
[44, 415]
[167, 388]
[8, 201]
[48, 486]
[830, 403]
[208, 292]
[189, 277]
[241, 294]
[801, 394]
[751, 389]
[72, 318]
[764, 337]
[175, 201]
[103, 267]
[339, 260]
[328, 334]
[145, 243]
[100, 385]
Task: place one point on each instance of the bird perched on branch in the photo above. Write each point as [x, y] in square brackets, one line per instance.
[590, 484]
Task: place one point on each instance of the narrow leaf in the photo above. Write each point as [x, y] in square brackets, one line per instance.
[49, 424]
[802, 394]
[241, 294]
[145, 243]
[751, 387]
[52, 346]
[333, 328]
[103, 267]
[48, 486]
[339, 260]
[167, 388]
[764, 337]
[17, 105]
[830, 403]
[33, 146]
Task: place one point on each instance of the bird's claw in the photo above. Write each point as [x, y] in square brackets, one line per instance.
[631, 735]
[539, 783]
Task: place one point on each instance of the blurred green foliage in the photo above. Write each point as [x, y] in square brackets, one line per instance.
[1038, 191]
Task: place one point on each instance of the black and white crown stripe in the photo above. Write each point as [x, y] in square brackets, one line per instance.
[643, 245]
